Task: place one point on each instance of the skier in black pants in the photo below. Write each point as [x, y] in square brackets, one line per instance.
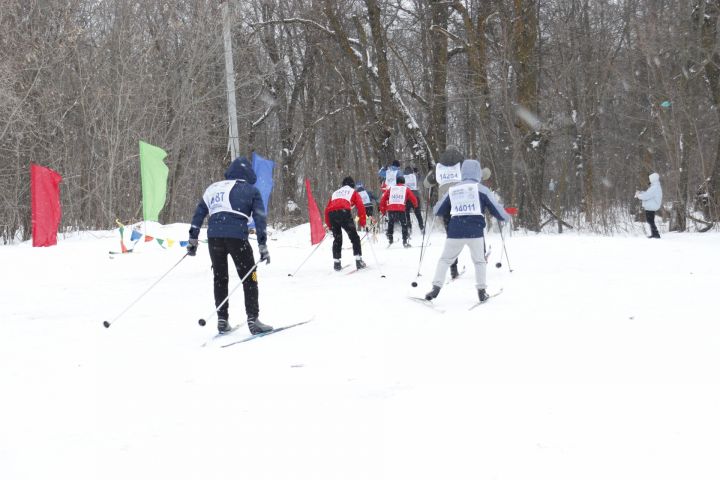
[338, 217]
[411, 182]
[230, 204]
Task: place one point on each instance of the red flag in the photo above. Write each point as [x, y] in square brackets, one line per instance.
[317, 231]
[45, 205]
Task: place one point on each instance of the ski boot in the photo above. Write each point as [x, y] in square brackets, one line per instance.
[223, 325]
[337, 265]
[390, 240]
[432, 293]
[256, 326]
[406, 244]
[482, 295]
[359, 263]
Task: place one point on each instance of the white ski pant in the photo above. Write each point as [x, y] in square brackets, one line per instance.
[453, 247]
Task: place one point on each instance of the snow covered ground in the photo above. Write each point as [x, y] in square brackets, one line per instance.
[599, 361]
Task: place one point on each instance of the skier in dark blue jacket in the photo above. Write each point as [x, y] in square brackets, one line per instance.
[465, 203]
[231, 203]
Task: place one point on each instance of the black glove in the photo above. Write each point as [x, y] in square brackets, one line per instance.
[192, 247]
[264, 254]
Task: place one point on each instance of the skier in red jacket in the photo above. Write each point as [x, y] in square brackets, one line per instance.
[338, 217]
[393, 202]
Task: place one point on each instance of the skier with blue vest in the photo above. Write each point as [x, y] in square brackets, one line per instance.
[231, 204]
[465, 203]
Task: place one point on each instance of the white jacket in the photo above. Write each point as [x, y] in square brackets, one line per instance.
[652, 197]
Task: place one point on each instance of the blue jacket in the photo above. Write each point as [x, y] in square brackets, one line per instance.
[244, 198]
[470, 226]
[383, 171]
[359, 187]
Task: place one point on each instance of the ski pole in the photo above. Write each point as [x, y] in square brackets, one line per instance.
[308, 257]
[425, 232]
[499, 264]
[202, 321]
[107, 324]
[372, 249]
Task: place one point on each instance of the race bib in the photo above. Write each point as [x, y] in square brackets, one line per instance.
[391, 178]
[464, 200]
[411, 181]
[397, 195]
[217, 197]
[445, 174]
[345, 193]
[365, 197]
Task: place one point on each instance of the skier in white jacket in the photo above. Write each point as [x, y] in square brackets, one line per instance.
[651, 202]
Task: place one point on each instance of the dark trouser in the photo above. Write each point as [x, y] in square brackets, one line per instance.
[397, 217]
[650, 217]
[342, 220]
[418, 211]
[242, 255]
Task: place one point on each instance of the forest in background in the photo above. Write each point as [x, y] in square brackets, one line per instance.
[571, 103]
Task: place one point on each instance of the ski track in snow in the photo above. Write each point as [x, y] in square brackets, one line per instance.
[599, 361]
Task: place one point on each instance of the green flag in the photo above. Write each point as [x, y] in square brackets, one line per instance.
[153, 173]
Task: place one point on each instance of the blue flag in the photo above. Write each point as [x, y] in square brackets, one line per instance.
[264, 170]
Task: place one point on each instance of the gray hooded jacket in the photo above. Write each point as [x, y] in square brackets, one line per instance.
[470, 226]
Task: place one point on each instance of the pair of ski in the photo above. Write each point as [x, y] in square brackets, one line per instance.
[430, 304]
[220, 336]
[351, 271]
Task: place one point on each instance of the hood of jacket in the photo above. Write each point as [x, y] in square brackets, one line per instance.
[654, 177]
[241, 169]
[471, 170]
[451, 156]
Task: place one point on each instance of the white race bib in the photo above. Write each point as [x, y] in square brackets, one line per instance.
[397, 195]
[217, 197]
[365, 197]
[445, 174]
[464, 200]
[345, 193]
[411, 181]
[391, 178]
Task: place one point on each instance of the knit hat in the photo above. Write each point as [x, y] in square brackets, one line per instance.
[349, 182]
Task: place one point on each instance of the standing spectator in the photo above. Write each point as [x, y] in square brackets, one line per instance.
[651, 202]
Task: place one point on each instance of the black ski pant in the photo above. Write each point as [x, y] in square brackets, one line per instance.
[241, 253]
[650, 217]
[342, 220]
[397, 217]
[418, 211]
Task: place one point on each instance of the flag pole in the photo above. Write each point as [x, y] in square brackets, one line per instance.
[233, 141]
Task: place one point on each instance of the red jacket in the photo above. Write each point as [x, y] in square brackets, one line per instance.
[339, 201]
[385, 206]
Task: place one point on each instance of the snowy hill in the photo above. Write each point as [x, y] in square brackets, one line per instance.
[598, 361]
